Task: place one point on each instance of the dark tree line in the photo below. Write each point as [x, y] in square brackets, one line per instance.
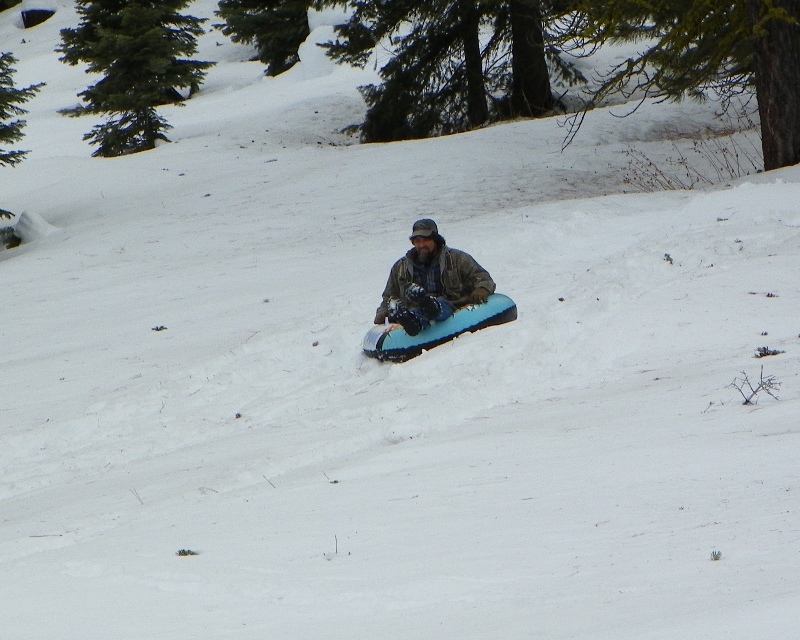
[441, 79]
[453, 65]
[458, 64]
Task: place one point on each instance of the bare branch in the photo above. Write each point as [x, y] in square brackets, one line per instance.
[750, 392]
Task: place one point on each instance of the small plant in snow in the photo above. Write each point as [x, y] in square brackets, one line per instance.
[750, 390]
[714, 159]
[763, 352]
[716, 555]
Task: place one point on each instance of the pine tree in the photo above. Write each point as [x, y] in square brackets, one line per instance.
[776, 61]
[444, 76]
[10, 100]
[277, 28]
[141, 48]
[694, 47]
[11, 126]
[429, 86]
[689, 46]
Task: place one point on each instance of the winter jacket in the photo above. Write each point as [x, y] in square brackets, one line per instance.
[461, 275]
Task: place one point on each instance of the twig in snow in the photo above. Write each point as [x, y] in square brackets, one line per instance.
[750, 392]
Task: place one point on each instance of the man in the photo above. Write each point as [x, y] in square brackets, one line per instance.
[430, 281]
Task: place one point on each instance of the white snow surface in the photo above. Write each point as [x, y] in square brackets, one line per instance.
[567, 475]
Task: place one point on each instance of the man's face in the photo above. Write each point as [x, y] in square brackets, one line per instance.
[425, 246]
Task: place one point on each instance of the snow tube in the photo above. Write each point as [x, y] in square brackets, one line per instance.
[390, 342]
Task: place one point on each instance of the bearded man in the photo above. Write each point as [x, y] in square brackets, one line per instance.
[431, 281]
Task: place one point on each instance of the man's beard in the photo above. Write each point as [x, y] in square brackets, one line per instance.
[425, 256]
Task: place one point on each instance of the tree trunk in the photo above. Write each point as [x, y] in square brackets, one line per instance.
[148, 127]
[477, 107]
[777, 80]
[530, 88]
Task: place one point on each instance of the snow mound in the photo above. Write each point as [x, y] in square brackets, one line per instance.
[32, 226]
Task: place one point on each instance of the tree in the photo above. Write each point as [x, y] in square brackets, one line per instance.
[10, 100]
[699, 46]
[426, 83]
[455, 65]
[140, 47]
[530, 85]
[776, 57]
[689, 46]
[277, 28]
[11, 126]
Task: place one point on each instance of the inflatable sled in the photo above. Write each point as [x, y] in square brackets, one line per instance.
[391, 342]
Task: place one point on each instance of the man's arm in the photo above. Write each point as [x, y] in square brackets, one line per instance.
[391, 290]
[476, 281]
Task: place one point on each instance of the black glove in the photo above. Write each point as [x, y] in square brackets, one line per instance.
[479, 296]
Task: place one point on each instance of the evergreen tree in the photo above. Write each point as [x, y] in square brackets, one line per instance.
[140, 47]
[10, 100]
[11, 126]
[277, 28]
[444, 76]
[776, 62]
[697, 46]
[530, 85]
[691, 46]
[429, 84]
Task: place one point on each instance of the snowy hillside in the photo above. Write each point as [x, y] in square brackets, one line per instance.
[181, 370]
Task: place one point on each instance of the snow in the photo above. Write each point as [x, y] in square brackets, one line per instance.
[181, 369]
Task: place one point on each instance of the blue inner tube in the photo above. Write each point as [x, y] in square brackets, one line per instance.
[393, 344]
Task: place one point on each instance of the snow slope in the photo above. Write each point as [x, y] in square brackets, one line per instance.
[181, 369]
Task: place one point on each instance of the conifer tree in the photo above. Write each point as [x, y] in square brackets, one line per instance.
[697, 46]
[11, 126]
[10, 100]
[689, 46]
[277, 28]
[142, 48]
[776, 61]
[530, 79]
[444, 76]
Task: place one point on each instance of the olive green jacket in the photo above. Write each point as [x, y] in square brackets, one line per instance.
[461, 275]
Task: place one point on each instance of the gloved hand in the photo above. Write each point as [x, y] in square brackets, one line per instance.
[381, 315]
[479, 296]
